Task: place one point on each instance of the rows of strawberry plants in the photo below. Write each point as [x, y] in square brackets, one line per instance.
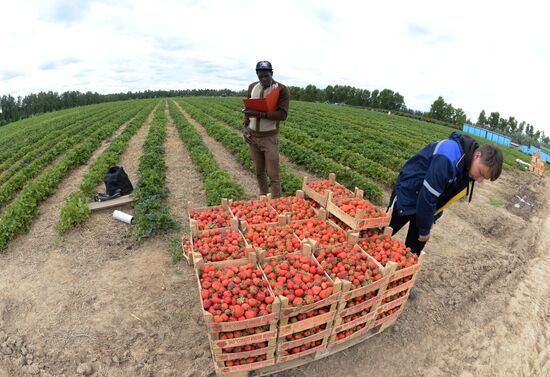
[16, 131]
[349, 141]
[410, 134]
[76, 209]
[217, 183]
[151, 212]
[303, 155]
[359, 128]
[31, 152]
[11, 187]
[234, 143]
[31, 136]
[375, 126]
[18, 215]
[318, 141]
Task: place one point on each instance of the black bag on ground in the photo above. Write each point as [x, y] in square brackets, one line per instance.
[116, 179]
[117, 184]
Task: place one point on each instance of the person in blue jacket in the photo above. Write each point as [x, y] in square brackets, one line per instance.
[438, 175]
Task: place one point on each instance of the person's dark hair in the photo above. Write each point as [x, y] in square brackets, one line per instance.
[492, 157]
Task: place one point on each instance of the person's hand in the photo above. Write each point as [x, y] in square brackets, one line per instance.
[246, 135]
[252, 113]
[425, 238]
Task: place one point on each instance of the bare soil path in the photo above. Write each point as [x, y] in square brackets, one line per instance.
[225, 159]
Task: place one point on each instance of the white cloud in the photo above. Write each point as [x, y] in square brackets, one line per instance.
[477, 55]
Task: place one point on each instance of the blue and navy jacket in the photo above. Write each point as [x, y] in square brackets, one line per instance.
[432, 177]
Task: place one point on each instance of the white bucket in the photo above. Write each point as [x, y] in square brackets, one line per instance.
[124, 217]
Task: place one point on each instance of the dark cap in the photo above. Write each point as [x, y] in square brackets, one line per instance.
[264, 65]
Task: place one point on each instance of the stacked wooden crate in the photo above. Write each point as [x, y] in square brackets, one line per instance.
[318, 228]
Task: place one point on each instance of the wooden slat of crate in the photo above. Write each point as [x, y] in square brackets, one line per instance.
[408, 271]
[392, 304]
[283, 345]
[398, 289]
[242, 370]
[344, 310]
[220, 357]
[331, 349]
[249, 254]
[187, 249]
[338, 345]
[389, 318]
[218, 343]
[291, 328]
[314, 350]
[339, 326]
[361, 291]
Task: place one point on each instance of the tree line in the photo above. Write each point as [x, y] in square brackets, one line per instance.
[13, 109]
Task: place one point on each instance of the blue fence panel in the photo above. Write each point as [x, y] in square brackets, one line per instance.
[491, 136]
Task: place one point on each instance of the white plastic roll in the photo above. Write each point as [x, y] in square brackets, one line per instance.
[122, 216]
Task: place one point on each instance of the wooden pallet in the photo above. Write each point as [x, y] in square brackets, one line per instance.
[95, 206]
[331, 349]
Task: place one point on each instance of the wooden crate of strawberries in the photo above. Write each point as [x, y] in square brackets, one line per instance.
[309, 300]
[388, 251]
[357, 213]
[232, 310]
[319, 191]
[363, 285]
[298, 288]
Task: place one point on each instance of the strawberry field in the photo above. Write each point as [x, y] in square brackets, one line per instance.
[273, 283]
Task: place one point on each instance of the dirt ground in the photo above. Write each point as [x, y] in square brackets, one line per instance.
[93, 302]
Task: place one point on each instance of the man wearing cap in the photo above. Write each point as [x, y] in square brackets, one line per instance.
[261, 129]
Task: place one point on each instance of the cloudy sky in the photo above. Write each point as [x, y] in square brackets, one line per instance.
[491, 55]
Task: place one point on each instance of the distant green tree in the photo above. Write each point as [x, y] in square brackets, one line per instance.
[512, 124]
[442, 110]
[482, 119]
[459, 117]
[493, 120]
